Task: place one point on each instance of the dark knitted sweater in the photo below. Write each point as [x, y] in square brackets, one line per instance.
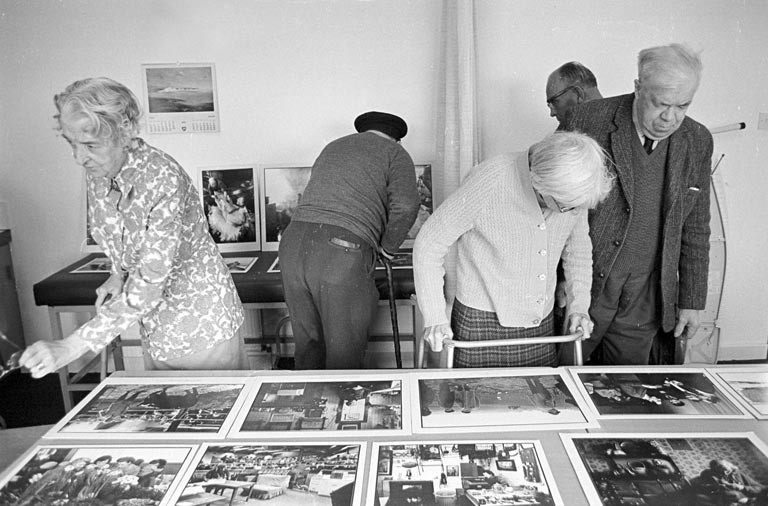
[366, 184]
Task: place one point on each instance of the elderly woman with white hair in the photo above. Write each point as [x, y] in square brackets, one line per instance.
[512, 219]
[167, 274]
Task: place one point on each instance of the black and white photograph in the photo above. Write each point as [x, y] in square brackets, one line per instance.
[471, 401]
[456, 472]
[283, 186]
[179, 88]
[239, 265]
[155, 408]
[426, 206]
[281, 474]
[632, 392]
[750, 386]
[715, 469]
[229, 202]
[96, 475]
[312, 406]
[96, 265]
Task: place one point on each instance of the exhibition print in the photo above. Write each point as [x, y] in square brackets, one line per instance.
[639, 392]
[239, 265]
[156, 408]
[94, 266]
[711, 469]
[283, 186]
[229, 202]
[289, 474]
[465, 401]
[488, 472]
[750, 386]
[312, 406]
[96, 475]
[424, 186]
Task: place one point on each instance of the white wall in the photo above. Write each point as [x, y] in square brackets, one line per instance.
[293, 74]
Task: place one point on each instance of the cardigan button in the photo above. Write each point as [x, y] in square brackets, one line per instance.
[617, 242]
[602, 275]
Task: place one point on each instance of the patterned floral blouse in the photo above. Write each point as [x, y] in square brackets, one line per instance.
[149, 221]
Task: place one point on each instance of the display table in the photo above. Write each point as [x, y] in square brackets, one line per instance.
[65, 292]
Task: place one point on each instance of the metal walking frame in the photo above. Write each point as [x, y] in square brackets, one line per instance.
[449, 346]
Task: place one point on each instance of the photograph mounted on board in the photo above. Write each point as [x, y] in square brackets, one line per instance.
[499, 472]
[228, 196]
[282, 189]
[180, 98]
[424, 185]
[154, 408]
[711, 469]
[96, 475]
[632, 392]
[750, 385]
[288, 474]
[312, 406]
[505, 400]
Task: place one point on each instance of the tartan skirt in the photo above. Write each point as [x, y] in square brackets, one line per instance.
[469, 324]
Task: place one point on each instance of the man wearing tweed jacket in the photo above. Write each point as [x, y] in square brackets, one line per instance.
[650, 236]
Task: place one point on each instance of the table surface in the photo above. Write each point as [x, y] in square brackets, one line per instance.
[15, 442]
[255, 286]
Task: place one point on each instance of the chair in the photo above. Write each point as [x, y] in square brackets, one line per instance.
[449, 345]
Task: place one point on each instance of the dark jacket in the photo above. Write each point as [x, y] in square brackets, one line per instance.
[685, 234]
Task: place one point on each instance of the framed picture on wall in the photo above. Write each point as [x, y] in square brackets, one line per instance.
[424, 185]
[281, 191]
[228, 196]
[180, 98]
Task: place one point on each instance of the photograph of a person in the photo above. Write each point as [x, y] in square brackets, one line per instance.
[96, 475]
[314, 407]
[239, 265]
[283, 187]
[716, 469]
[750, 386]
[424, 185]
[153, 409]
[229, 200]
[285, 474]
[461, 473]
[502, 400]
[179, 88]
[638, 392]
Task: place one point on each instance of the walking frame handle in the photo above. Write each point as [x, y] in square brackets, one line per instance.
[451, 344]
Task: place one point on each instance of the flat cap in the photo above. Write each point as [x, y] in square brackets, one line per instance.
[392, 125]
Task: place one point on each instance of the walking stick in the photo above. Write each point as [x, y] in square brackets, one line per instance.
[393, 309]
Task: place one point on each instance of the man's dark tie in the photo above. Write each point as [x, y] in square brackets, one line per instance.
[648, 145]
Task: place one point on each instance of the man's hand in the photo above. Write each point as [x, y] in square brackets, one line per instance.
[45, 357]
[110, 289]
[580, 322]
[688, 320]
[434, 335]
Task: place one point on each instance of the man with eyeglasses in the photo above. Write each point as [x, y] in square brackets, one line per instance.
[650, 236]
[568, 86]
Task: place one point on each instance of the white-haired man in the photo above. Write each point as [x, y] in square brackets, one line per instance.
[650, 236]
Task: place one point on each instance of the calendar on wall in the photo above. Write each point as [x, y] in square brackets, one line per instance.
[180, 98]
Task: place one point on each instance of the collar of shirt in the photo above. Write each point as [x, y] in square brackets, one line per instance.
[639, 130]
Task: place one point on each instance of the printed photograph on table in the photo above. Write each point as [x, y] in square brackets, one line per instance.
[632, 392]
[424, 185]
[96, 475]
[155, 408]
[750, 387]
[228, 196]
[239, 265]
[463, 400]
[282, 189]
[96, 265]
[315, 406]
[711, 469]
[287, 474]
[453, 473]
